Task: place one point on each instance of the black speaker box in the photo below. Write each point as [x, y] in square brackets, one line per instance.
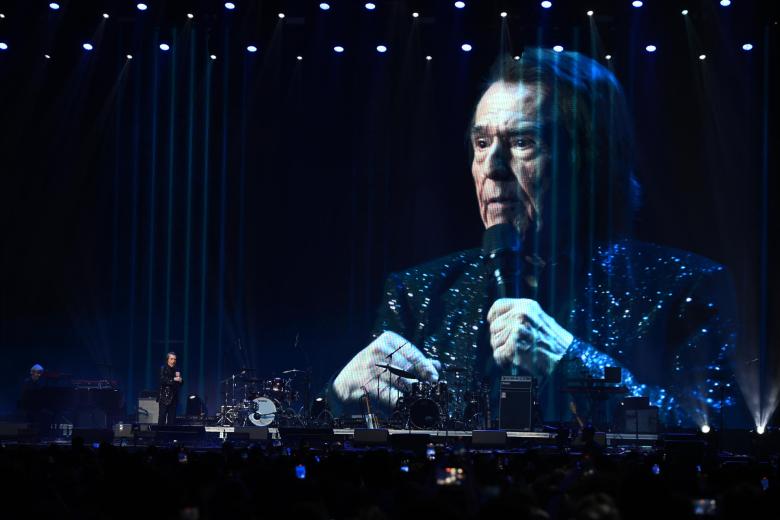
[515, 406]
[371, 437]
[488, 438]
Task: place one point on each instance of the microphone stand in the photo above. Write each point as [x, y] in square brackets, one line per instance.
[389, 359]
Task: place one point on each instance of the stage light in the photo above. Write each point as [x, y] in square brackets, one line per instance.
[760, 430]
[299, 58]
[702, 56]
[105, 15]
[251, 48]
[589, 13]
[190, 16]
[546, 4]
[651, 48]
[142, 7]
[558, 48]
[54, 6]
[517, 58]
[460, 5]
[230, 6]
[415, 15]
[428, 58]
[280, 15]
[705, 428]
[747, 47]
[47, 56]
[3, 46]
[165, 47]
[466, 47]
[338, 48]
[637, 3]
[324, 6]
[381, 48]
[2, 15]
[684, 12]
[725, 3]
[129, 56]
[213, 56]
[608, 57]
[87, 46]
[503, 14]
[370, 6]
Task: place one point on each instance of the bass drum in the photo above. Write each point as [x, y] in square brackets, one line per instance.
[425, 414]
[263, 411]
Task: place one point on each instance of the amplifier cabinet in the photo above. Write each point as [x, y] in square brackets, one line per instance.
[515, 405]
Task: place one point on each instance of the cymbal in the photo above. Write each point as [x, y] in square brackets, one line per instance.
[400, 372]
[293, 371]
[452, 368]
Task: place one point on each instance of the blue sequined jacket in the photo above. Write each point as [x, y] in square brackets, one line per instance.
[665, 316]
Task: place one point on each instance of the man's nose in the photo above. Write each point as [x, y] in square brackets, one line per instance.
[498, 161]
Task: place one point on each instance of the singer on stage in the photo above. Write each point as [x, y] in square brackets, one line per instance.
[168, 396]
[552, 165]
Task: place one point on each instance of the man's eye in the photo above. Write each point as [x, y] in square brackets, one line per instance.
[523, 143]
[481, 142]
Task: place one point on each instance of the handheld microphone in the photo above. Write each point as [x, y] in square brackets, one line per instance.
[502, 247]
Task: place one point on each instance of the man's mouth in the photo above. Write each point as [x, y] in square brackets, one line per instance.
[503, 199]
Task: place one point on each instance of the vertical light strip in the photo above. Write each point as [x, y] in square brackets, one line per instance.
[171, 155]
[131, 350]
[204, 230]
[188, 234]
[222, 207]
[152, 217]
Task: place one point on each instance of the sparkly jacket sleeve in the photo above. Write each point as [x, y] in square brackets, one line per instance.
[698, 328]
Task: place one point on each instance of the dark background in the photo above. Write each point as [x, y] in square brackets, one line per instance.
[177, 202]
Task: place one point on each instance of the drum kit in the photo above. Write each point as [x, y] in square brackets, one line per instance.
[276, 401]
[432, 406]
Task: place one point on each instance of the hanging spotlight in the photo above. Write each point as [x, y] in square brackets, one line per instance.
[558, 48]
[299, 58]
[608, 57]
[2, 16]
[503, 14]
[230, 6]
[517, 58]
[651, 48]
[747, 47]
[589, 13]
[54, 6]
[213, 56]
[190, 16]
[165, 47]
[381, 48]
[415, 14]
[705, 428]
[142, 7]
[129, 56]
[760, 429]
[3, 46]
[338, 48]
[105, 15]
[460, 5]
[47, 56]
[702, 56]
[251, 48]
[428, 58]
[684, 12]
[370, 6]
[324, 6]
[637, 3]
[87, 46]
[466, 47]
[280, 15]
[546, 4]
[725, 3]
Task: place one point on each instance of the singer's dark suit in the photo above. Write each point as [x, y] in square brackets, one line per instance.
[666, 316]
[168, 395]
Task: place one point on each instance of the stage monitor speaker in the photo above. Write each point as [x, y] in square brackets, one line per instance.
[123, 431]
[179, 434]
[416, 442]
[642, 421]
[515, 406]
[92, 435]
[371, 437]
[148, 410]
[249, 434]
[488, 438]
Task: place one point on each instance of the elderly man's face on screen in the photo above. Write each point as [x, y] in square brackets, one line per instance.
[510, 154]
